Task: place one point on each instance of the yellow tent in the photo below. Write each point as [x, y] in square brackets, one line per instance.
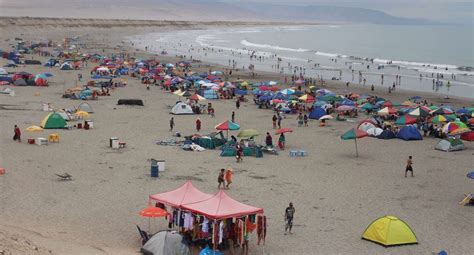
[82, 114]
[388, 231]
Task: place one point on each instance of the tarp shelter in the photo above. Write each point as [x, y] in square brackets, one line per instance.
[221, 206]
[85, 107]
[130, 102]
[185, 194]
[450, 144]
[53, 121]
[181, 108]
[389, 231]
[387, 134]
[317, 113]
[469, 136]
[408, 133]
[166, 243]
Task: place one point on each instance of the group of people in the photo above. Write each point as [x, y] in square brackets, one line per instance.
[225, 178]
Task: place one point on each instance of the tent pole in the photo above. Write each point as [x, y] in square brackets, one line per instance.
[357, 153]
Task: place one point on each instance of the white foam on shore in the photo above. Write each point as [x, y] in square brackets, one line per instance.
[272, 47]
[331, 55]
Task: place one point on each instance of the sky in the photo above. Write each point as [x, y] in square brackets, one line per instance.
[455, 11]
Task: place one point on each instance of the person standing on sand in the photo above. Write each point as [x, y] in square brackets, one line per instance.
[305, 119]
[233, 117]
[289, 214]
[220, 179]
[237, 103]
[281, 141]
[269, 140]
[228, 177]
[274, 120]
[17, 134]
[171, 124]
[279, 120]
[300, 119]
[198, 124]
[409, 166]
[372, 87]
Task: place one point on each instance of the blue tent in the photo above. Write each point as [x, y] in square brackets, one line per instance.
[347, 102]
[209, 251]
[241, 92]
[317, 113]
[408, 133]
[387, 134]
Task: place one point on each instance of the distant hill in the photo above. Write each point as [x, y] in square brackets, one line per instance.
[196, 10]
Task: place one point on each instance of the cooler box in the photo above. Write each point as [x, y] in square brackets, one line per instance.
[41, 141]
[154, 171]
[161, 165]
[114, 142]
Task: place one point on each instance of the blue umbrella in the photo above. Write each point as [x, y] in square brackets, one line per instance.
[470, 175]
[48, 74]
[463, 111]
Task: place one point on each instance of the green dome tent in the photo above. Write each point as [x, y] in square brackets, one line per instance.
[53, 121]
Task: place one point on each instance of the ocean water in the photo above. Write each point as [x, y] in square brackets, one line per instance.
[426, 57]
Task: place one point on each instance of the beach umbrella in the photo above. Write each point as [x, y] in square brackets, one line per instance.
[197, 97]
[438, 119]
[470, 175]
[420, 112]
[460, 131]
[299, 82]
[450, 117]
[407, 103]
[177, 92]
[283, 130]
[307, 98]
[287, 92]
[326, 117]
[344, 108]
[248, 133]
[34, 129]
[217, 73]
[442, 110]
[48, 74]
[463, 111]
[227, 125]
[185, 94]
[387, 111]
[453, 125]
[152, 212]
[354, 134]
[82, 114]
[368, 106]
[329, 98]
[405, 120]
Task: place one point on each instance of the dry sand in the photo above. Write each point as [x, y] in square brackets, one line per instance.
[336, 194]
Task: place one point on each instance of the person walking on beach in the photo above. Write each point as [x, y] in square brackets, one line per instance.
[372, 87]
[269, 140]
[409, 166]
[17, 134]
[237, 103]
[300, 120]
[220, 179]
[171, 124]
[274, 120]
[279, 120]
[198, 124]
[289, 214]
[228, 177]
[233, 117]
[281, 141]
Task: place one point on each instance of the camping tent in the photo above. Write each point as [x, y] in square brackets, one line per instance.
[366, 125]
[221, 206]
[210, 94]
[389, 231]
[185, 194]
[450, 144]
[469, 136]
[85, 107]
[65, 115]
[52, 121]
[409, 132]
[166, 243]
[317, 113]
[374, 131]
[181, 108]
[387, 134]
[66, 66]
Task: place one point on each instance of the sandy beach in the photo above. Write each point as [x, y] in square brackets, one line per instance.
[336, 194]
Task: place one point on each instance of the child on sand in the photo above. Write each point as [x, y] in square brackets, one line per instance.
[409, 166]
[220, 179]
[228, 177]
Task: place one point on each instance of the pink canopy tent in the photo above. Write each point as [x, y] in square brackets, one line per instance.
[221, 206]
[185, 194]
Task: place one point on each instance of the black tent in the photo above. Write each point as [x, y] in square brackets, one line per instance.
[387, 134]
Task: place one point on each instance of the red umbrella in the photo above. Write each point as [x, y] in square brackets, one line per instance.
[283, 130]
[152, 212]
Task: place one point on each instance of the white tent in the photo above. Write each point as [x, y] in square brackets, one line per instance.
[181, 108]
[166, 243]
[85, 107]
[66, 66]
[374, 131]
[3, 71]
[450, 145]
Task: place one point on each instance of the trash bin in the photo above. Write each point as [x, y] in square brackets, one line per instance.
[154, 171]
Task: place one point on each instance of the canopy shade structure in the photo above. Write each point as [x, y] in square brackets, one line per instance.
[221, 206]
[185, 194]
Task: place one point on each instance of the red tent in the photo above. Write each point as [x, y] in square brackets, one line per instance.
[221, 206]
[185, 194]
[469, 136]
